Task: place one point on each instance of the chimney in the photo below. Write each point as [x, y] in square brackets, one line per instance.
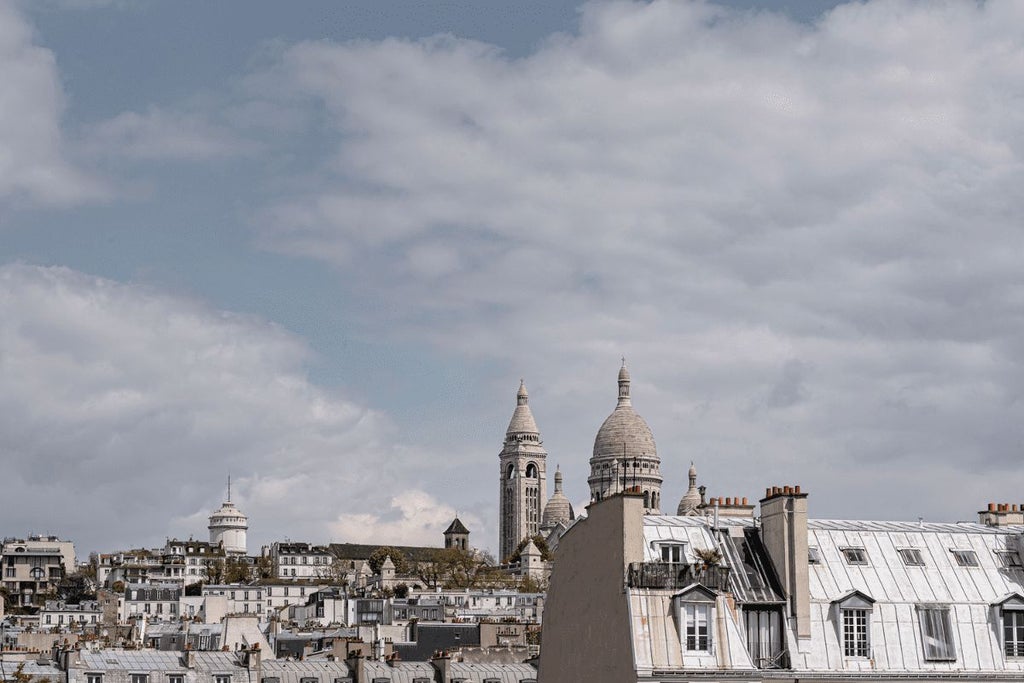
[188, 657]
[784, 534]
[1001, 515]
[442, 661]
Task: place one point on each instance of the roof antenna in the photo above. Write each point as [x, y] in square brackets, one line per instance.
[229, 488]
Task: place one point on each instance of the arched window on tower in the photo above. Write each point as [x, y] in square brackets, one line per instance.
[531, 471]
[647, 499]
[511, 472]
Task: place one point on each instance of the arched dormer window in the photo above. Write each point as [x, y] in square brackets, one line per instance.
[531, 471]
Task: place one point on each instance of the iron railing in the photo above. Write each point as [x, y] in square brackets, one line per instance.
[676, 575]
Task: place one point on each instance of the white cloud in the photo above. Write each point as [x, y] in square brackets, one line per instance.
[806, 237]
[158, 134]
[123, 410]
[413, 517]
[32, 159]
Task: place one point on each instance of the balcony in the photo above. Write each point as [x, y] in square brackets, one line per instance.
[675, 575]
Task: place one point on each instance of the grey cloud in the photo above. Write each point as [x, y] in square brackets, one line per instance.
[125, 409]
[33, 160]
[716, 193]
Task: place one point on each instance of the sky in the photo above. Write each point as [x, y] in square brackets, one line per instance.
[315, 246]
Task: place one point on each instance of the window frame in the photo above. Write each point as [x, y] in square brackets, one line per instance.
[676, 548]
[915, 555]
[856, 556]
[814, 556]
[697, 627]
[965, 557]
[1018, 632]
[945, 623]
[1013, 557]
[855, 627]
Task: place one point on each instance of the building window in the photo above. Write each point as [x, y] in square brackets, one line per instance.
[222, 678]
[1013, 632]
[965, 558]
[855, 555]
[93, 678]
[175, 678]
[1008, 559]
[936, 634]
[911, 557]
[813, 555]
[672, 552]
[140, 678]
[271, 679]
[764, 637]
[698, 631]
[856, 642]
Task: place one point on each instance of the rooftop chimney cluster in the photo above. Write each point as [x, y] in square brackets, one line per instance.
[775, 491]
[1002, 514]
[729, 502]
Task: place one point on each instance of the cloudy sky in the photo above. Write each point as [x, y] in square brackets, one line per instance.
[317, 246]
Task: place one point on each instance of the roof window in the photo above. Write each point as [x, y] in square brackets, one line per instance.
[855, 555]
[965, 558]
[911, 557]
[813, 555]
[1009, 559]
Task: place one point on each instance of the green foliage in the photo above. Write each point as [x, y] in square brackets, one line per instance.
[539, 541]
[709, 556]
[401, 591]
[398, 558]
[194, 589]
[236, 570]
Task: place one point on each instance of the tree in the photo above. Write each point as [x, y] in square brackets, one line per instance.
[401, 591]
[236, 570]
[264, 567]
[194, 589]
[458, 568]
[539, 541]
[398, 558]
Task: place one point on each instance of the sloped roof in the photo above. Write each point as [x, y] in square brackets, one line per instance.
[456, 527]
[361, 551]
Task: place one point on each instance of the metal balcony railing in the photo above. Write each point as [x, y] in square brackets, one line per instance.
[676, 575]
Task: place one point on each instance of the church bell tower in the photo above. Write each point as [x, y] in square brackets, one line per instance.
[522, 478]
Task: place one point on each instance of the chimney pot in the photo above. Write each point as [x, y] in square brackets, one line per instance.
[768, 492]
[745, 500]
[991, 507]
[797, 489]
[728, 502]
[787, 490]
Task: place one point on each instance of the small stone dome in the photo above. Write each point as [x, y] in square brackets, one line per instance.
[690, 501]
[558, 509]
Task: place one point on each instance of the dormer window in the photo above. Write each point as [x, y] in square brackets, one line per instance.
[853, 619]
[965, 558]
[813, 555]
[672, 552]
[855, 555]
[694, 609]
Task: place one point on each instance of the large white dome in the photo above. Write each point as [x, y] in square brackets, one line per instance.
[624, 434]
